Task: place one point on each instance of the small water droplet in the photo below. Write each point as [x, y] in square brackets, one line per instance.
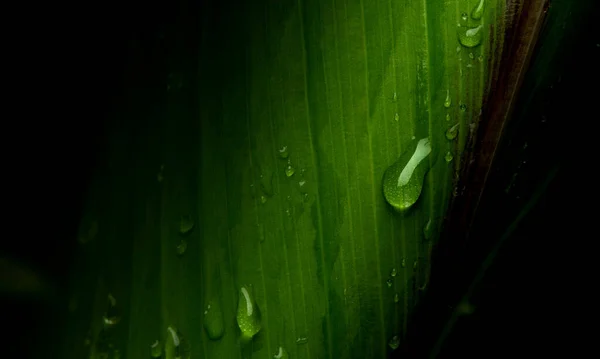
[302, 183]
[263, 199]
[396, 117]
[159, 177]
[464, 16]
[471, 56]
[283, 152]
[463, 107]
[389, 282]
[302, 340]
[112, 316]
[458, 49]
[287, 211]
[452, 132]
[477, 12]
[186, 224]
[394, 343]
[448, 100]
[289, 170]
[447, 117]
[395, 96]
[413, 137]
[396, 298]
[480, 58]
[449, 157]
[469, 65]
[181, 247]
[427, 230]
[393, 272]
[403, 262]
[470, 37]
[415, 264]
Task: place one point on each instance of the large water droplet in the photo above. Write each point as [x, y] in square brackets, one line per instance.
[181, 247]
[448, 100]
[281, 354]
[449, 157]
[214, 324]
[283, 152]
[394, 343]
[477, 12]
[452, 132]
[186, 224]
[470, 37]
[248, 315]
[156, 349]
[403, 180]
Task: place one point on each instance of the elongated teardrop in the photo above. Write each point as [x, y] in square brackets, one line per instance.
[403, 181]
[214, 324]
[248, 315]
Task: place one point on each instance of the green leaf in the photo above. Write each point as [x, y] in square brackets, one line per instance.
[276, 176]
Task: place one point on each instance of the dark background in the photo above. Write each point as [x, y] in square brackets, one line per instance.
[73, 71]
